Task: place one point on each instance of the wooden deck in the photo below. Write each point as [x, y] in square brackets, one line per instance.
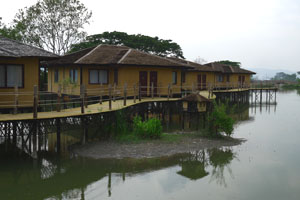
[92, 109]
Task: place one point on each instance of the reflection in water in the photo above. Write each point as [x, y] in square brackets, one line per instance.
[219, 159]
[52, 177]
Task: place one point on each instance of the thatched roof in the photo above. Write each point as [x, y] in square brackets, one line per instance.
[15, 49]
[114, 55]
[228, 69]
[195, 97]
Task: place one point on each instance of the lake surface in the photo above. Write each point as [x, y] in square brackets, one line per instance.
[266, 166]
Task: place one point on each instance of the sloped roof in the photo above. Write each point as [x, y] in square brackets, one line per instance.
[110, 54]
[12, 48]
[223, 68]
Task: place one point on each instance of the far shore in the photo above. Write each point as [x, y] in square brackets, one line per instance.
[183, 143]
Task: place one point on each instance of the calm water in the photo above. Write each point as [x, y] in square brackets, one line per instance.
[267, 166]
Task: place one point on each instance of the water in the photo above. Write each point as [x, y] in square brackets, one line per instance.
[265, 167]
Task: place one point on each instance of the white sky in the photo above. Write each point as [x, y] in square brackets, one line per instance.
[258, 33]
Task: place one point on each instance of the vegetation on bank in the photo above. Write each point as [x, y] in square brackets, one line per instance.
[291, 86]
[220, 120]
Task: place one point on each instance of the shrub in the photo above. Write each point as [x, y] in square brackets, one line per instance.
[151, 128]
[220, 120]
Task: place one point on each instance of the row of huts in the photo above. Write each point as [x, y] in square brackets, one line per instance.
[101, 66]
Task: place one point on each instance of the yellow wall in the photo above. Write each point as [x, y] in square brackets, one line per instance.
[31, 78]
[64, 81]
[191, 79]
[129, 75]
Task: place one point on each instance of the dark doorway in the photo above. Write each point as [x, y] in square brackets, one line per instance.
[143, 83]
[153, 79]
[201, 81]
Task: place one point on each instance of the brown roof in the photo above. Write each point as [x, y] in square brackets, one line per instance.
[15, 49]
[109, 54]
[223, 68]
[195, 97]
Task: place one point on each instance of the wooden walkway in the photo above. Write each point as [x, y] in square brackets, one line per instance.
[243, 89]
[92, 109]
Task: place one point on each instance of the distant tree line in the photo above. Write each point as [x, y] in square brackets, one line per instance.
[285, 77]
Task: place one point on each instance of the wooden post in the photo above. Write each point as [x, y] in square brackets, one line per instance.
[109, 94]
[152, 90]
[193, 87]
[125, 94]
[114, 93]
[57, 135]
[171, 91]
[82, 98]
[58, 106]
[100, 97]
[169, 86]
[140, 98]
[134, 93]
[35, 101]
[16, 100]
[85, 97]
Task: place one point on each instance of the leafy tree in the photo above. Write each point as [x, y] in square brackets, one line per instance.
[232, 63]
[53, 24]
[9, 32]
[148, 44]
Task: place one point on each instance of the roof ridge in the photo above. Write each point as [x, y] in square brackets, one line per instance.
[77, 61]
[31, 46]
[124, 56]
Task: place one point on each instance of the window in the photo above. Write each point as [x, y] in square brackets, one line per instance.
[183, 77]
[174, 78]
[98, 76]
[220, 78]
[56, 75]
[73, 75]
[11, 75]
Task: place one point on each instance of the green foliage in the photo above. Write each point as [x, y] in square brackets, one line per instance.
[9, 32]
[285, 77]
[151, 128]
[148, 44]
[220, 120]
[52, 24]
[232, 63]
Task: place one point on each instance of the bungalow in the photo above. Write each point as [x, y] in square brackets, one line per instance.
[230, 76]
[19, 67]
[198, 77]
[99, 66]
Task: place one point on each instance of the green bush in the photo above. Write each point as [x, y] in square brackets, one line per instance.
[151, 128]
[220, 119]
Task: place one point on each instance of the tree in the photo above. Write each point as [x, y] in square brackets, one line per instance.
[53, 25]
[232, 63]
[200, 60]
[9, 32]
[148, 44]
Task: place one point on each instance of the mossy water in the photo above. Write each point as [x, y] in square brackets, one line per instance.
[266, 166]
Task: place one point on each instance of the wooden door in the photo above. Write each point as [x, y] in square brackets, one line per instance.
[203, 82]
[143, 83]
[153, 79]
[199, 82]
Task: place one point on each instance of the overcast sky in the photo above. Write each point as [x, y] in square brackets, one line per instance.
[258, 33]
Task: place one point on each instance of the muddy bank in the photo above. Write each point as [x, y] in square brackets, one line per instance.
[148, 149]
